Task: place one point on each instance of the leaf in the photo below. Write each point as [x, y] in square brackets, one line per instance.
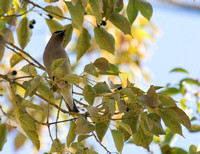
[20, 140]
[171, 91]
[190, 81]
[129, 93]
[118, 139]
[83, 126]
[28, 125]
[83, 43]
[7, 34]
[108, 8]
[141, 139]
[125, 126]
[57, 63]
[166, 100]
[195, 128]
[71, 134]
[131, 11]
[83, 137]
[91, 69]
[54, 25]
[27, 103]
[93, 111]
[184, 119]
[2, 48]
[3, 135]
[169, 137]
[193, 149]
[181, 70]
[77, 14]
[132, 120]
[102, 64]
[24, 33]
[32, 86]
[111, 105]
[96, 10]
[57, 147]
[101, 87]
[15, 59]
[155, 120]
[176, 150]
[56, 10]
[29, 69]
[101, 129]
[68, 34]
[72, 78]
[121, 22]
[51, 1]
[170, 119]
[89, 94]
[104, 39]
[145, 8]
[5, 6]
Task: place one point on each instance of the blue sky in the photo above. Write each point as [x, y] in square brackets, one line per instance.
[177, 46]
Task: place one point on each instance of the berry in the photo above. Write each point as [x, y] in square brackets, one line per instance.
[50, 16]
[103, 23]
[33, 21]
[31, 26]
[14, 72]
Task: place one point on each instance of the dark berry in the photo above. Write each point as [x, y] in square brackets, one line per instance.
[98, 25]
[103, 23]
[127, 109]
[14, 72]
[33, 21]
[31, 26]
[119, 88]
[50, 16]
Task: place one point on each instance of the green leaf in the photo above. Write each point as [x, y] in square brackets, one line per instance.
[56, 10]
[20, 140]
[184, 119]
[118, 139]
[51, 1]
[132, 120]
[111, 105]
[168, 138]
[125, 126]
[141, 139]
[32, 86]
[7, 34]
[57, 147]
[83, 126]
[2, 48]
[102, 64]
[129, 93]
[71, 134]
[56, 64]
[83, 137]
[170, 119]
[15, 59]
[190, 81]
[166, 100]
[83, 43]
[145, 8]
[27, 124]
[68, 34]
[121, 22]
[91, 69]
[104, 39]
[96, 10]
[24, 33]
[171, 91]
[29, 69]
[181, 70]
[108, 8]
[54, 25]
[27, 103]
[195, 128]
[72, 78]
[155, 120]
[5, 6]
[176, 150]
[101, 87]
[89, 94]
[101, 129]
[131, 11]
[193, 149]
[3, 135]
[77, 14]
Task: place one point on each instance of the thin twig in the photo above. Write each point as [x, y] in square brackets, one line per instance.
[36, 5]
[100, 143]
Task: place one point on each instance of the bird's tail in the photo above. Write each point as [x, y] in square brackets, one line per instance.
[66, 93]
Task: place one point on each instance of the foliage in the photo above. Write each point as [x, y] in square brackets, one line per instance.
[107, 27]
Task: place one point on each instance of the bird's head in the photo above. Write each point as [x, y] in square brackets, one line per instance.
[58, 35]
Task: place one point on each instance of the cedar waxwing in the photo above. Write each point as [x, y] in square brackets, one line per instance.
[54, 50]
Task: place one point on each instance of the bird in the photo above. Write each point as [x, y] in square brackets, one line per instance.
[54, 50]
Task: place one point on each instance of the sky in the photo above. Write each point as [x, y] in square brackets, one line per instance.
[177, 46]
